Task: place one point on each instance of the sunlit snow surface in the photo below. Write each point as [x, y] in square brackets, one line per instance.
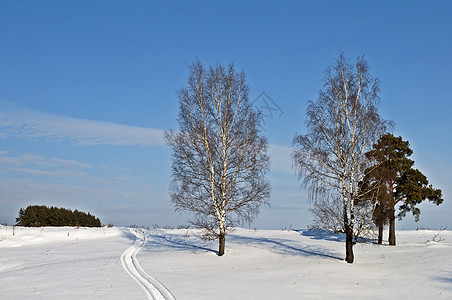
[71, 263]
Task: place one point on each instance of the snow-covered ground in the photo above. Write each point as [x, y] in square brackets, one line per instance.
[122, 263]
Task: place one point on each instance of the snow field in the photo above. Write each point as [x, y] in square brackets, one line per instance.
[70, 263]
[64, 263]
[300, 265]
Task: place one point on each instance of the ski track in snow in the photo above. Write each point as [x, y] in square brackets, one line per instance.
[151, 286]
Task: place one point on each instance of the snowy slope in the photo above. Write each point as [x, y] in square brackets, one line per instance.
[118, 263]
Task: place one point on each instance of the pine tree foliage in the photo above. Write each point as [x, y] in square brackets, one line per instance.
[40, 215]
[398, 183]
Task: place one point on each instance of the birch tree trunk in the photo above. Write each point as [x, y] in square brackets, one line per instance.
[222, 238]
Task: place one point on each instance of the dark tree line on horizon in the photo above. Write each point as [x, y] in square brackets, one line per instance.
[40, 215]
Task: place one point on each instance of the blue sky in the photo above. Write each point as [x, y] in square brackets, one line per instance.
[88, 87]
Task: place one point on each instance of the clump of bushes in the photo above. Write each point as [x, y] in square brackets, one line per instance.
[40, 215]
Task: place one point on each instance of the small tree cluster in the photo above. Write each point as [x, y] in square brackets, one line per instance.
[40, 215]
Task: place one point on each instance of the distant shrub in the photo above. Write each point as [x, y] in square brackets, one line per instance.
[40, 215]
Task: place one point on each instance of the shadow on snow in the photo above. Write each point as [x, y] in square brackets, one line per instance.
[160, 241]
[317, 234]
[283, 246]
[164, 241]
[177, 242]
[446, 278]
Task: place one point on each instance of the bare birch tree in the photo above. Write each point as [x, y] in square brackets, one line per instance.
[342, 126]
[219, 155]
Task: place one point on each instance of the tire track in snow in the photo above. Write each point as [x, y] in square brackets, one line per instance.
[151, 286]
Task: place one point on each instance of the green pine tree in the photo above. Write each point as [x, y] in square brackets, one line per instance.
[397, 182]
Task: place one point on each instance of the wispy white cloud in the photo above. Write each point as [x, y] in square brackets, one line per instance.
[28, 124]
[59, 174]
[42, 166]
[27, 158]
[42, 169]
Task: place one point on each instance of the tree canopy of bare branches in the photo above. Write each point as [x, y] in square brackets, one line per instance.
[219, 154]
[342, 126]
